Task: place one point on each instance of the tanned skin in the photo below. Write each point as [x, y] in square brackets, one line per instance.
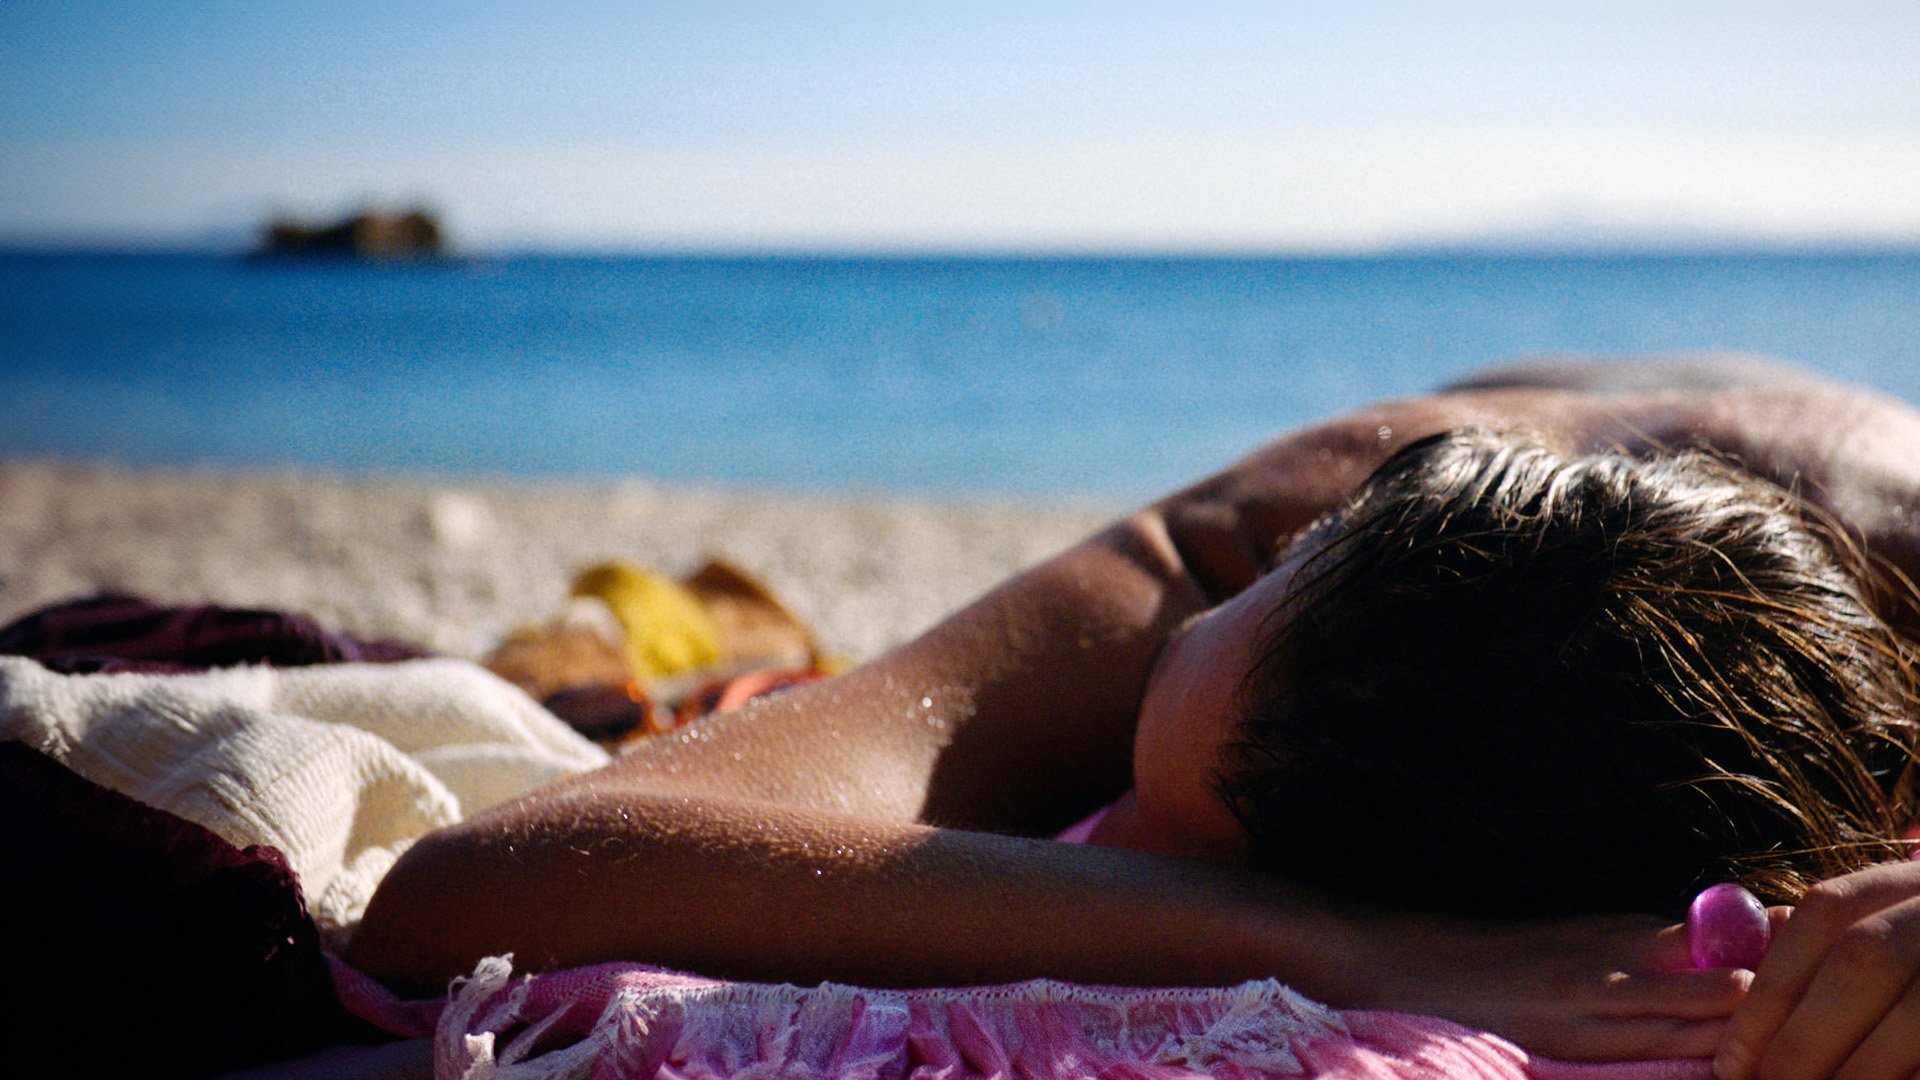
[879, 827]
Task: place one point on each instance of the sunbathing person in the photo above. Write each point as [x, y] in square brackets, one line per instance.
[1462, 750]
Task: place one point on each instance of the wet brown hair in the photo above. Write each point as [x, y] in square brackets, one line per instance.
[1514, 682]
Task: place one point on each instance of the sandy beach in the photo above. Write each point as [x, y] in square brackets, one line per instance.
[455, 565]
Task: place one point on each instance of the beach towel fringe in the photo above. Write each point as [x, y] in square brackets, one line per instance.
[657, 1023]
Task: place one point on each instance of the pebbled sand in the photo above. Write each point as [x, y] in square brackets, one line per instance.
[455, 565]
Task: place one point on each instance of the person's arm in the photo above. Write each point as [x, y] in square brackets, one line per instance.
[765, 891]
[761, 891]
[1013, 715]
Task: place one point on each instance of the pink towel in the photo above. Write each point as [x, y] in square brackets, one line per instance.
[628, 1020]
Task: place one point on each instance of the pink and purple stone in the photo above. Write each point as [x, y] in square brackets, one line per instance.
[1727, 927]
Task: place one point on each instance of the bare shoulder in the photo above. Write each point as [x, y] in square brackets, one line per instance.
[1783, 420]
[1851, 452]
[1831, 440]
[1692, 373]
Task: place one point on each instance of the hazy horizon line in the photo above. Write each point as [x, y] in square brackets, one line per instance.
[238, 243]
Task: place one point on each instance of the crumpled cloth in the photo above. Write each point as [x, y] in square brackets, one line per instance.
[140, 944]
[341, 767]
[115, 633]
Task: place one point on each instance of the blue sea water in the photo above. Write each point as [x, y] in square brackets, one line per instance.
[1103, 377]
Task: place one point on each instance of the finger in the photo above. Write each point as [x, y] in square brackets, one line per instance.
[1800, 945]
[1644, 1038]
[1893, 1050]
[1668, 951]
[1708, 994]
[1864, 976]
[1777, 918]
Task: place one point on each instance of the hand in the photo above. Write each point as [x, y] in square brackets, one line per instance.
[1836, 995]
[1598, 989]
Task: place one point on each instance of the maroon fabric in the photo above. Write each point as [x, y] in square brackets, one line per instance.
[113, 633]
[140, 944]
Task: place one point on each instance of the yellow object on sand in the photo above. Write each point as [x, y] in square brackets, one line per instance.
[668, 629]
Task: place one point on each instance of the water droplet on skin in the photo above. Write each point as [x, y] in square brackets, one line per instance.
[926, 703]
[1385, 433]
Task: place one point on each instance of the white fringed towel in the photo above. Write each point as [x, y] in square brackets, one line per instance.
[339, 766]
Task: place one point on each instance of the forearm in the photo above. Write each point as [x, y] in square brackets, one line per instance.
[777, 893]
[772, 893]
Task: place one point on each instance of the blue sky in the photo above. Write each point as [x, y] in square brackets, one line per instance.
[1035, 126]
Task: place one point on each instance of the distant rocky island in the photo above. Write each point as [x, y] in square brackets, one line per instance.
[368, 234]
